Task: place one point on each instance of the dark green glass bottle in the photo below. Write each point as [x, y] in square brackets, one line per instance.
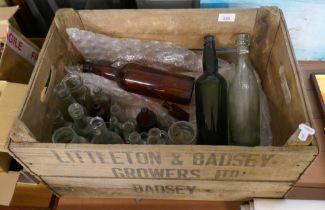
[211, 99]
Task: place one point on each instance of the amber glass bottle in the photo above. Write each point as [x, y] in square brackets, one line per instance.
[147, 81]
[176, 111]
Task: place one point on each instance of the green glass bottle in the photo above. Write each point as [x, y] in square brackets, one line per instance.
[211, 99]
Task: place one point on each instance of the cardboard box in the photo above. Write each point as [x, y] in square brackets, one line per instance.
[183, 172]
[16, 65]
[19, 55]
[11, 97]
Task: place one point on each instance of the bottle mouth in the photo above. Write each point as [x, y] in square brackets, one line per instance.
[73, 81]
[113, 120]
[61, 90]
[154, 132]
[63, 135]
[97, 122]
[128, 126]
[242, 39]
[208, 38]
[134, 137]
[76, 111]
[209, 41]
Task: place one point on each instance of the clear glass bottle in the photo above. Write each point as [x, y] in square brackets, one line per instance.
[62, 92]
[116, 111]
[127, 128]
[102, 135]
[77, 88]
[157, 136]
[244, 106]
[81, 122]
[134, 138]
[144, 137]
[56, 119]
[211, 99]
[182, 132]
[114, 125]
[99, 104]
[67, 135]
[147, 81]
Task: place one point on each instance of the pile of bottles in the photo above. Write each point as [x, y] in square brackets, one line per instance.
[225, 113]
[91, 116]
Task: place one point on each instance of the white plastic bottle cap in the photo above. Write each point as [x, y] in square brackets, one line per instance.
[305, 131]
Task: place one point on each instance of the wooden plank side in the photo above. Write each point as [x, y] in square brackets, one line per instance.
[84, 203]
[165, 162]
[167, 189]
[185, 28]
[265, 30]
[282, 86]
[33, 111]
[56, 52]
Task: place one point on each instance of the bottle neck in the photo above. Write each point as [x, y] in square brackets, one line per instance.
[210, 61]
[242, 57]
[68, 100]
[106, 71]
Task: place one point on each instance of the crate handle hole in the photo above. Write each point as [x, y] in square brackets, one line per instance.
[49, 85]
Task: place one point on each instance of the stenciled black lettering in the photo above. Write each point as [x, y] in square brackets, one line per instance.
[128, 157]
[190, 189]
[142, 157]
[176, 159]
[251, 160]
[142, 173]
[238, 159]
[118, 172]
[224, 159]
[91, 156]
[218, 174]
[198, 159]
[159, 188]
[234, 173]
[179, 189]
[100, 157]
[195, 173]
[115, 158]
[182, 173]
[69, 156]
[212, 160]
[154, 157]
[156, 173]
[77, 154]
[58, 157]
[170, 189]
[138, 188]
[148, 188]
[266, 159]
[170, 173]
[130, 172]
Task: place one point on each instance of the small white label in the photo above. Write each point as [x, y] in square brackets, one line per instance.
[21, 47]
[305, 131]
[226, 17]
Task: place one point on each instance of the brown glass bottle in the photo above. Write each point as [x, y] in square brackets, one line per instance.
[146, 119]
[147, 81]
[176, 111]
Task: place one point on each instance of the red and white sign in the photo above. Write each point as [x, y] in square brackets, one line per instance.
[16, 43]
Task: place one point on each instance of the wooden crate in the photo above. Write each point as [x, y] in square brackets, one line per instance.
[166, 171]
